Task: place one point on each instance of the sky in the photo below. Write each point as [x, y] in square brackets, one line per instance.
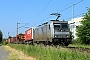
[31, 13]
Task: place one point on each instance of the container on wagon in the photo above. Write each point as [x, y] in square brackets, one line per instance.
[20, 38]
[13, 39]
[29, 34]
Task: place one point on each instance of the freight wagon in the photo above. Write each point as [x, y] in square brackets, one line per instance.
[20, 38]
[11, 40]
[29, 35]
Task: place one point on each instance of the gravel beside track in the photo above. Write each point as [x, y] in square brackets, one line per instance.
[80, 49]
[3, 53]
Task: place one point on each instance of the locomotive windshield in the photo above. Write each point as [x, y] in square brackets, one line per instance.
[56, 26]
[64, 25]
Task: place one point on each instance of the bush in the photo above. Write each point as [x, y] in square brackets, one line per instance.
[4, 43]
[74, 42]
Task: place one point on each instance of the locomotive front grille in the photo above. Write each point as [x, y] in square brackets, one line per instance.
[61, 35]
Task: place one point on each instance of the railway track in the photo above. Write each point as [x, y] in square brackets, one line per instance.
[81, 49]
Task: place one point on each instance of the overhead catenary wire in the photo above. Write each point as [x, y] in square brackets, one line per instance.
[75, 16]
[59, 11]
[43, 9]
[67, 5]
[42, 20]
[71, 6]
[46, 6]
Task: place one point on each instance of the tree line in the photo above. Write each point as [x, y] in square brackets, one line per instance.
[83, 31]
[1, 36]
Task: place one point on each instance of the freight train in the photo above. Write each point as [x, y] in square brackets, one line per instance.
[18, 39]
[54, 32]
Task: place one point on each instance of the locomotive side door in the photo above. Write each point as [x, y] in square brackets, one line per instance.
[48, 33]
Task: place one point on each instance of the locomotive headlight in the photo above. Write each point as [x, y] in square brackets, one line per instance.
[67, 35]
[61, 30]
[56, 36]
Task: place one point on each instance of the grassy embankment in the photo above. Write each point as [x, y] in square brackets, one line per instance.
[16, 54]
[41, 52]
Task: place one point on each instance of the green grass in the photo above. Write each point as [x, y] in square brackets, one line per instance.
[41, 52]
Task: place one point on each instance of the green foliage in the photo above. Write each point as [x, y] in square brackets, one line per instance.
[4, 39]
[74, 41]
[71, 36]
[4, 43]
[83, 31]
[9, 37]
[1, 36]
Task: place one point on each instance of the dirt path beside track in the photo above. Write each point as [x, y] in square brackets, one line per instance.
[3, 53]
[17, 55]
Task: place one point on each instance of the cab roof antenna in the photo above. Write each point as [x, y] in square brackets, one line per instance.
[56, 14]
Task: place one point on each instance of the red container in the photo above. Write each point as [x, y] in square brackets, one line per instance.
[29, 34]
[20, 38]
[13, 39]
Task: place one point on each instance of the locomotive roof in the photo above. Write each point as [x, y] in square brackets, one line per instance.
[52, 21]
[57, 21]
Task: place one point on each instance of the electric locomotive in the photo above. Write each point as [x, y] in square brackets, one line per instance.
[54, 32]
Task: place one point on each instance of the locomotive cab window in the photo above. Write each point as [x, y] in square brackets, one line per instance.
[56, 26]
[64, 25]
